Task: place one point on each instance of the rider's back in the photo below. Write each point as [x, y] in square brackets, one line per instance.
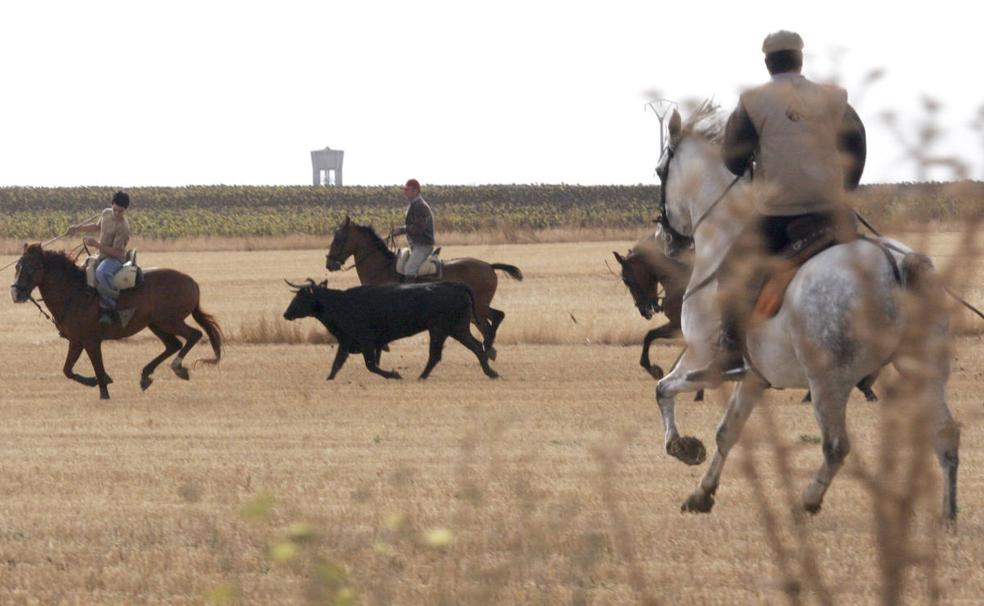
[797, 122]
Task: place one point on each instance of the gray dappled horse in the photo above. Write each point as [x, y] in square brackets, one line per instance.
[844, 316]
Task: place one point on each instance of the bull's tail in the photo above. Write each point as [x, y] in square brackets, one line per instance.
[212, 329]
[483, 326]
[512, 270]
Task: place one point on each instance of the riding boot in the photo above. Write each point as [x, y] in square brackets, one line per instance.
[106, 316]
[729, 360]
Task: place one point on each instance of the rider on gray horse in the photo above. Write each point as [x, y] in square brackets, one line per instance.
[419, 229]
[808, 146]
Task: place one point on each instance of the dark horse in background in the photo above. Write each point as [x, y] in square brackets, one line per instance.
[161, 303]
[376, 264]
[646, 269]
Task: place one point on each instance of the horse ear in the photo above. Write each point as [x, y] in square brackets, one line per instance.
[619, 258]
[347, 220]
[25, 249]
[676, 126]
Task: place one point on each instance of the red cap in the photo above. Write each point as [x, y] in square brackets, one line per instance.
[412, 183]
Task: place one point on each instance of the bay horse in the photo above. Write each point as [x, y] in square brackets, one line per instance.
[647, 270]
[375, 264]
[161, 303]
[849, 311]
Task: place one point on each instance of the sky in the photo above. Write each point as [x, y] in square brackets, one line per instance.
[142, 93]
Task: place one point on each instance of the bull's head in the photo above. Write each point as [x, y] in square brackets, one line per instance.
[304, 304]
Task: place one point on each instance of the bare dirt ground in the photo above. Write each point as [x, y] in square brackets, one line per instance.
[260, 483]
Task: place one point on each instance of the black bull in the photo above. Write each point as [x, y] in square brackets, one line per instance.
[366, 318]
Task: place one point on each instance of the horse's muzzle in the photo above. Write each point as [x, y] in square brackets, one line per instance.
[332, 265]
[18, 294]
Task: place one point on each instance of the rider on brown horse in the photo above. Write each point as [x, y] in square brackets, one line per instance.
[114, 233]
[419, 229]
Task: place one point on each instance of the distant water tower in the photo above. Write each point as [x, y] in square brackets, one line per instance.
[327, 165]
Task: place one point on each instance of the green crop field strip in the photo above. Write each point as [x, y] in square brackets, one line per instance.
[236, 211]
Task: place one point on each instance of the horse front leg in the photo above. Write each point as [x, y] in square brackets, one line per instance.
[74, 351]
[662, 332]
[94, 350]
[688, 449]
[740, 405]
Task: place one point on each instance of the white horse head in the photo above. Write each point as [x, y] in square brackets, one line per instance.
[841, 319]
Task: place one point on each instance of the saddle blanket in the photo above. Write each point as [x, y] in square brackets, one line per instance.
[431, 267]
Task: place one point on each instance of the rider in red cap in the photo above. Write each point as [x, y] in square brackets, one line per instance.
[419, 229]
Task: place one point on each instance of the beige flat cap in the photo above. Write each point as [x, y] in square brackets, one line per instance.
[782, 41]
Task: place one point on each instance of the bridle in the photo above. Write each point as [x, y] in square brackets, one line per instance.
[676, 241]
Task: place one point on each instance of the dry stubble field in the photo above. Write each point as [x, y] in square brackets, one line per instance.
[260, 483]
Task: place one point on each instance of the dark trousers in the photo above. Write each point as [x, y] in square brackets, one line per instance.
[757, 252]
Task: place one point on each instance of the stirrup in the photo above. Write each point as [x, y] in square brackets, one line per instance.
[713, 376]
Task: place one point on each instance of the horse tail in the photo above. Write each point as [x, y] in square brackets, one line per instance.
[918, 273]
[212, 329]
[512, 270]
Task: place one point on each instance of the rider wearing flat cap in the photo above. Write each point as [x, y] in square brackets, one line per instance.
[808, 147]
[419, 229]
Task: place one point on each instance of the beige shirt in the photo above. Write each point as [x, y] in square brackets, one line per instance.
[113, 233]
[797, 122]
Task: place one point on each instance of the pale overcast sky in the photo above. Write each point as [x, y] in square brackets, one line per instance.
[174, 93]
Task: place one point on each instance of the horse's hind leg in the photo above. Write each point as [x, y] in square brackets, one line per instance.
[74, 351]
[743, 400]
[830, 410]
[192, 336]
[171, 345]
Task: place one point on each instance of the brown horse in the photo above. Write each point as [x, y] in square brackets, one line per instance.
[161, 303]
[645, 271]
[376, 264]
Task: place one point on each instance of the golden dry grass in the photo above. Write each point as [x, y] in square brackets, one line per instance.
[548, 486]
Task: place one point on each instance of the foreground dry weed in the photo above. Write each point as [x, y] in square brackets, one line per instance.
[260, 483]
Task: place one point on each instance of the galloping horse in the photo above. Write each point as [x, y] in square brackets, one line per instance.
[376, 264]
[161, 303]
[845, 314]
[645, 270]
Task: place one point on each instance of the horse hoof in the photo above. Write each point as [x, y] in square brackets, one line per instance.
[698, 502]
[492, 353]
[812, 508]
[88, 381]
[394, 375]
[688, 449]
[145, 382]
[699, 396]
[182, 373]
[492, 374]
[655, 371]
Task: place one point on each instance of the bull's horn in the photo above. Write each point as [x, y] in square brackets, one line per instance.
[309, 282]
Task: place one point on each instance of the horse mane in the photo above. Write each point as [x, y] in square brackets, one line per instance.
[375, 239]
[653, 252]
[706, 122]
[61, 261]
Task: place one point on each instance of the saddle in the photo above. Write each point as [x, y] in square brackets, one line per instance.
[773, 292]
[129, 276]
[432, 267]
